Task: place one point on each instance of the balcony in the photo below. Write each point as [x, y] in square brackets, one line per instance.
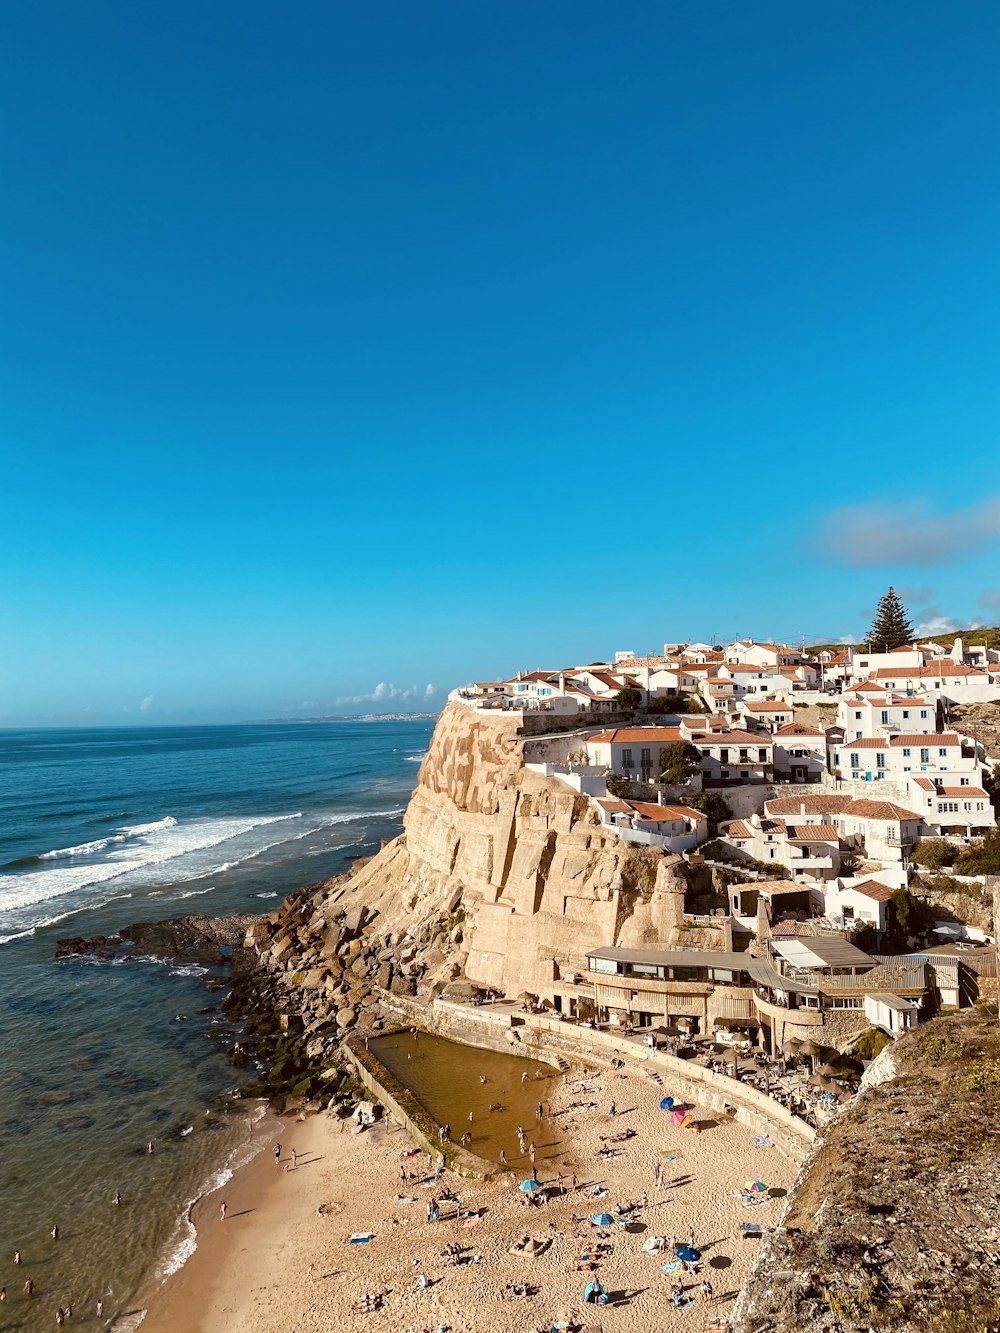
[783, 1014]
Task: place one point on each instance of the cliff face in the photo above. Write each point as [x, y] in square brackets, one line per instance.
[510, 873]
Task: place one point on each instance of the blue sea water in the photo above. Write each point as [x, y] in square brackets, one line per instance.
[99, 828]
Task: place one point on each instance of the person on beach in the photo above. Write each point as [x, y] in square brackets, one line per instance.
[531, 1152]
[223, 1210]
[470, 1117]
[54, 1233]
[3, 1294]
[69, 1312]
[150, 1147]
[659, 1176]
[295, 1159]
[503, 1158]
[17, 1256]
[524, 1077]
[540, 1112]
[60, 1316]
[29, 1287]
[277, 1154]
[99, 1308]
[118, 1198]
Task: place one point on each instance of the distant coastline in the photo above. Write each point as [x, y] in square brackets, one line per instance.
[351, 717]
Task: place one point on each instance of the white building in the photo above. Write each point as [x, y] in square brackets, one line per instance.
[858, 902]
[935, 754]
[868, 715]
[961, 809]
[810, 851]
[675, 828]
[633, 752]
[799, 753]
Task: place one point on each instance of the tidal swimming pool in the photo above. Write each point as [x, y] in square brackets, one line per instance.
[447, 1078]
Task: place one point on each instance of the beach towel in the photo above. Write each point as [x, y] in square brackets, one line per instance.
[361, 1237]
[671, 1267]
[761, 1141]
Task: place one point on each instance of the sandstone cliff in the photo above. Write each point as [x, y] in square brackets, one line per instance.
[527, 876]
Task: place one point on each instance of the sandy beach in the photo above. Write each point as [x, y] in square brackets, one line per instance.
[282, 1257]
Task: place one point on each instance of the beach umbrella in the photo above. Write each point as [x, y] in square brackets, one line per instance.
[830, 1070]
[666, 1104]
[529, 1186]
[811, 1049]
[602, 1220]
[677, 1116]
[755, 1187]
[687, 1254]
[791, 1046]
[670, 1157]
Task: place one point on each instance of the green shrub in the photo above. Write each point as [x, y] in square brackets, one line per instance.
[870, 1043]
[935, 853]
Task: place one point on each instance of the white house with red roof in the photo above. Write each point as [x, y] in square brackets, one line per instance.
[943, 755]
[799, 753]
[674, 828]
[633, 752]
[807, 851]
[861, 901]
[959, 808]
[870, 713]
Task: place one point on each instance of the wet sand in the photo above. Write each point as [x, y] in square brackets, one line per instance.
[282, 1260]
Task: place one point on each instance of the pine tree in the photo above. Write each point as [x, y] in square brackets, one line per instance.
[891, 627]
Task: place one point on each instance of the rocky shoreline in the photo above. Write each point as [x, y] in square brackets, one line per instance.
[298, 983]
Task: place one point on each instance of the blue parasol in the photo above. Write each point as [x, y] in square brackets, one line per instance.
[687, 1254]
[529, 1186]
[602, 1220]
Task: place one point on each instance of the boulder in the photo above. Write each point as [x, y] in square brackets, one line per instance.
[282, 948]
[346, 1018]
[383, 977]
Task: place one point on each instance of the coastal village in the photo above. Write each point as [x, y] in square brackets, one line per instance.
[822, 789]
[635, 1002]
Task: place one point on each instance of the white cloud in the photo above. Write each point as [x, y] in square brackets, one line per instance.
[938, 624]
[386, 692]
[146, 704]
[908, 534]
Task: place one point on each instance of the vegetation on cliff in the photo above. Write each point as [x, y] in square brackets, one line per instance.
[893, 1225]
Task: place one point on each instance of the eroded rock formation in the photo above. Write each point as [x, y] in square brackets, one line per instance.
[504, 875]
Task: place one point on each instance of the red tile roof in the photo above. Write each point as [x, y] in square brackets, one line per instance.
[871, 809]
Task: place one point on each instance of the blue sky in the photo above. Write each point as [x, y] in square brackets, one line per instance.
[406, 344]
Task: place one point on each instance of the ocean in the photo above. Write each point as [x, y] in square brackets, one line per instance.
[100, 828]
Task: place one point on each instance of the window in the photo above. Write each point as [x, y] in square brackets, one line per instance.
[646, 758]
[906, 712]
[943, 753]
[923, 712]
[885, 715]
[762, 755]
[627, 760]
[925, 756]
[855, 761]
[906, 754]
[857, 715]
[880, 761]
[964, 782]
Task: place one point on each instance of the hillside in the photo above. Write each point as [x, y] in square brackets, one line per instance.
[893, 1225]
